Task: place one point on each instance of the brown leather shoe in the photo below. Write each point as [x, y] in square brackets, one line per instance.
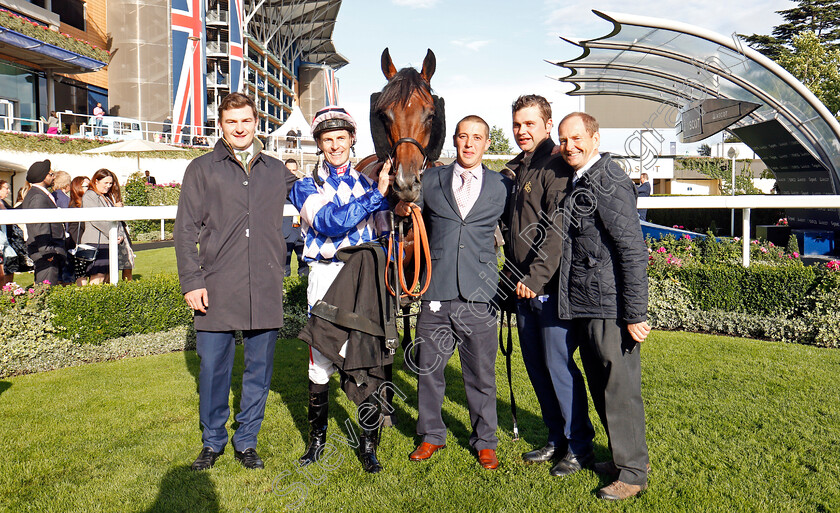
[488, 459]
[424, 451]
[619, 490]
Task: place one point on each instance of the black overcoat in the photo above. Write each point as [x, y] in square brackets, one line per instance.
[235, 215]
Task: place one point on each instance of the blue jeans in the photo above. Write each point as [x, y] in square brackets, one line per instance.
[97, 127]
[216, 350]
[548, 349]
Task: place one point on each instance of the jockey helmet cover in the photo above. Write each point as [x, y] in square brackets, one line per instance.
[332, 118]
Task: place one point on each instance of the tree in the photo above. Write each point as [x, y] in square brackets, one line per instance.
[704, 150]
[815, 66]
[499, 144]
[822, 17]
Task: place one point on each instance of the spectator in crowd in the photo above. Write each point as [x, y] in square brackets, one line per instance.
[45, 241]
[125, 251]
[61, 189]
[644, 190]
[6, 249]
[61, 194]
[96, 233]
[608, 299]
[150, 179]
[52, 123]
[16, 240]
[462, 205]
[98, 118]
[291, 231]
[167, 129]
[78, 187]
[21, 194]
[229, 252]
[534, 255]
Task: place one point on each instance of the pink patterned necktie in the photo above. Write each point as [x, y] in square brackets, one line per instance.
[462, 193]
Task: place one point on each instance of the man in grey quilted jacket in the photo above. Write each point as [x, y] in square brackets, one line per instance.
[608, 294]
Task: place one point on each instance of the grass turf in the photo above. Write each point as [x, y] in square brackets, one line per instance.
[732, 425]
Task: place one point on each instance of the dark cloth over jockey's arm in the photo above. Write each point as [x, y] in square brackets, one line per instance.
[357, 293]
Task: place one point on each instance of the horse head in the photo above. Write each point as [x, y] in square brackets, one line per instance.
[412, 119]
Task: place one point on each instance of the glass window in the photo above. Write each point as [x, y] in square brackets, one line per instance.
[71, 12]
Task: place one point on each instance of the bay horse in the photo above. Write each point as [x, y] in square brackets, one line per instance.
[408, 126]
[407, 122]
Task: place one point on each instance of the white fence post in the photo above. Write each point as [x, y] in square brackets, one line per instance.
[162, 232]
[747, 236]
[113, 264]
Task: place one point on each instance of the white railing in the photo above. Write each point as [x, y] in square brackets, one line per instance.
[115, 214]
[745, 203]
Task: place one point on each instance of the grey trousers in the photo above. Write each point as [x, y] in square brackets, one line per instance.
[471, 327]
[613, 369]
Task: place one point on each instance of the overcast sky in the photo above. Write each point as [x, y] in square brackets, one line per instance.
[490, 51]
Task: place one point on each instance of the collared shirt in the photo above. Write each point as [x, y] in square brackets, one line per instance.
[45, 192]
[579, 173]
[476, 174]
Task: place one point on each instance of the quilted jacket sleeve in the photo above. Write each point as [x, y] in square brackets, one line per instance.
[617, 211]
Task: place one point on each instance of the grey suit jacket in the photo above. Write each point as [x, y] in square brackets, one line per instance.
[44, 239]
[463, 254]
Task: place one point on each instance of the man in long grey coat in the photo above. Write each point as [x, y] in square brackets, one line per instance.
[231, 206]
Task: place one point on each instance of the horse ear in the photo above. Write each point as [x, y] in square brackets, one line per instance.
[388, 68]
[429, 64]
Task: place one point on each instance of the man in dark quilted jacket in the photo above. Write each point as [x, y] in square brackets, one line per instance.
[608, 294]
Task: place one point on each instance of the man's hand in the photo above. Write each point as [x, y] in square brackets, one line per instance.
[401, 208]
[524, 292]
[639, 331]
[385, 178]
[197, 300]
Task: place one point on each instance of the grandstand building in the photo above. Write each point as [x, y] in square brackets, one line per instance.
[168, 59]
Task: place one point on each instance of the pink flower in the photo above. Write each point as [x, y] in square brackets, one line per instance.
[795, 254]
[764, 250]
[737, 239]
[47, 282]
[772, 245]
[31, 291]
[661, 249]
[18, 291]
[686, 236]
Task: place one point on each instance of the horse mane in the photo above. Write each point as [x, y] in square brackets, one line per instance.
[401, 87]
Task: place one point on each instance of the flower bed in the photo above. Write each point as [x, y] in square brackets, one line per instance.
[43, 33]
[700, 285]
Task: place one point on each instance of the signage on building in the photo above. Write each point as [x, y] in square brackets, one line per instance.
[662, 167]
[704, 118]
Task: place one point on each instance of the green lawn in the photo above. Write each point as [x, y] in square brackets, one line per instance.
[732, 424]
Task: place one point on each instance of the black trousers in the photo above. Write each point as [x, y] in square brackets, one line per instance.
[613, 369]
[48, 271]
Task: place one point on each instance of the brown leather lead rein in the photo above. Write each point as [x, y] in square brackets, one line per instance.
[421, 249]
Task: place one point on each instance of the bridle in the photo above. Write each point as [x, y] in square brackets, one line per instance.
[392, 152]
[421, 248]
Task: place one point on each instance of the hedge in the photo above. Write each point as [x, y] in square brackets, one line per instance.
[95, 313]
[758, 289]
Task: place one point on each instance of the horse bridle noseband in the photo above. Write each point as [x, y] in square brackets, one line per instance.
[410, 140]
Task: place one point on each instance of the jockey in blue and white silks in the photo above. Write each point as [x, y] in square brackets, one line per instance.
[337, 207]
[338, 213]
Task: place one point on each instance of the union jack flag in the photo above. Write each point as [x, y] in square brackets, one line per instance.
[330, 87]
[236, 29]
[189, 66]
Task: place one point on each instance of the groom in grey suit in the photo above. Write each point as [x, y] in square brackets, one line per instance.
[462, 205]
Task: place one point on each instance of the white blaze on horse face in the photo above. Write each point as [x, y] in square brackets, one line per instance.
[336, 146]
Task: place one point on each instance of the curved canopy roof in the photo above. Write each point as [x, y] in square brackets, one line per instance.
[303, 26]
[678, 64]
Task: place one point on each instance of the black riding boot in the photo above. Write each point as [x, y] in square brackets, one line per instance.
[369, 441]
[319, 401]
